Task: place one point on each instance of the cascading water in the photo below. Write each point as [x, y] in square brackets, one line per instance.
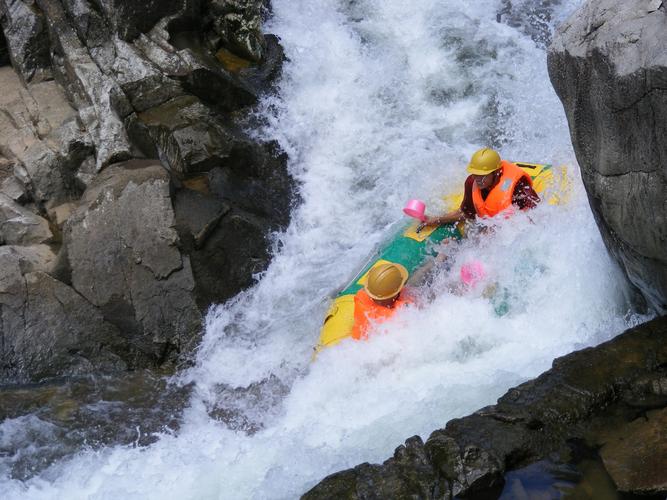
[380, 101]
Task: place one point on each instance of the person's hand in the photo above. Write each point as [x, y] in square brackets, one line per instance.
[428, 221]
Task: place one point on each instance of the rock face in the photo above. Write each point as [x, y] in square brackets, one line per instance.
[635, 454]
[608, 64]
[598, 395]
[124, 259]
[122, 154]
[46, 325]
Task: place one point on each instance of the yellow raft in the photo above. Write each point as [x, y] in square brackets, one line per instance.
[411, 249]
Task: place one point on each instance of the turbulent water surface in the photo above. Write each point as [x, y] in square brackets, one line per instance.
[381, 101]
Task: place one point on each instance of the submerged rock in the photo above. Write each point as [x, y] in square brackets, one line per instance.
[595, 395]
[48, 422]
[532, 17]
[608, 64]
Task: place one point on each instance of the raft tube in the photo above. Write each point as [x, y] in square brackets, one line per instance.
[411, 249]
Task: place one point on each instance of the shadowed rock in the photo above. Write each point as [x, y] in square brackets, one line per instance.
[45, 329]
[123, 254]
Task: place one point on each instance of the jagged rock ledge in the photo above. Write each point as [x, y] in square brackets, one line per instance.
[612, 397]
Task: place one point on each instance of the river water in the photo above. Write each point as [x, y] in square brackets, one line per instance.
[380, 101]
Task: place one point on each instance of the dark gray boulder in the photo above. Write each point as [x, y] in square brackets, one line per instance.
[608, 64]
[123, 253]
[596, 395]
[187, 135]
[45, 325]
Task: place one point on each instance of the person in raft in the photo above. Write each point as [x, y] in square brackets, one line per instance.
[493, 186]
[382, 295]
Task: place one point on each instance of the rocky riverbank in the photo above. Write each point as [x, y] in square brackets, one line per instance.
[131, 198]
[611, 398]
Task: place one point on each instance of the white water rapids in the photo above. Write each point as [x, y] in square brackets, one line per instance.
[380, 101]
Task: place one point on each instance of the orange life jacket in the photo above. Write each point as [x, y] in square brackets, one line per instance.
[367, 310]
[500, 197]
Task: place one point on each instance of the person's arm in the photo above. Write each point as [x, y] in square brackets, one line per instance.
[453, 216]
[465, 211]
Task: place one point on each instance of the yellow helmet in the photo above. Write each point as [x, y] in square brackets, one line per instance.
[484, 161]
[385, 281]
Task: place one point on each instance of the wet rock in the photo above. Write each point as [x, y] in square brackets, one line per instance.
[219, 88]
[123, 252]
[187, 135]
[584, 397]
[636, 455]
[260, 77]
[237, 23]
[225, 216]
[24, 27]
[238, 247]
[256, 180]
[608, 66]
[50, 421]
[45, 325]
[198, 215]
[129, 18]
[408, 474]
[145, 85]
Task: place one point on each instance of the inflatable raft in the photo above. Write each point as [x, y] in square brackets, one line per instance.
[411, 248]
